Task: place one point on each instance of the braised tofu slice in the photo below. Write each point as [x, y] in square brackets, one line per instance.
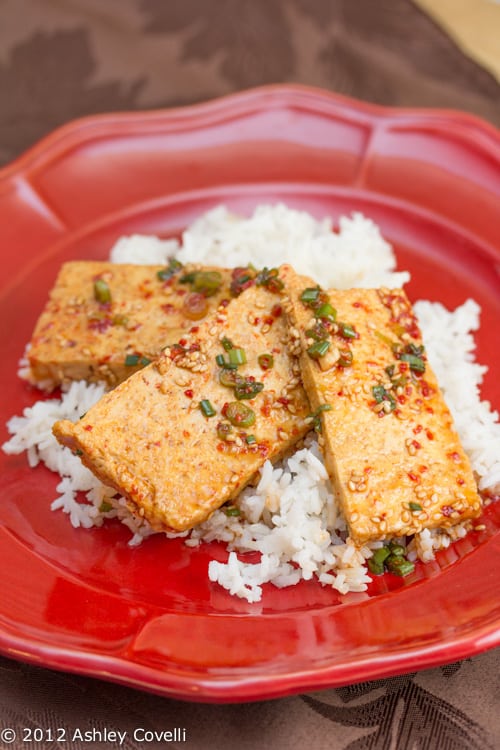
[387, 435]
[186, 434]
[103, 321]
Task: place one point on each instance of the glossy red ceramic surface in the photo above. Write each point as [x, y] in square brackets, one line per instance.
[84, 601]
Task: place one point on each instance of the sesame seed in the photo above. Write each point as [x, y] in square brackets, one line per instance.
[351, 485]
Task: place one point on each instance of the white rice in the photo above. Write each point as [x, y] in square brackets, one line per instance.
[290, 517]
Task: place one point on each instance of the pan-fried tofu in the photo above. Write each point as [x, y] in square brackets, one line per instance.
[103, 321]
[387, 435]
[185, 434]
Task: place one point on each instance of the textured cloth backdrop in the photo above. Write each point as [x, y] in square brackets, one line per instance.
[60, 59]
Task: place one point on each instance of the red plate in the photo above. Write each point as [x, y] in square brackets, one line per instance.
[83, 601]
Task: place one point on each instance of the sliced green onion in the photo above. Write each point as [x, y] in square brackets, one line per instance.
[247, 389]
[120, 320]
[376, 561]
[326, 312]
[250, 439]
[173, 267]
[227, 344]
[347, 331]
[207, 282]
[266, 361]
[219, 359]
[269, 277]
[224, 429]
[131, 360]
[237, 356]
[315, 420]
[397, 549]
[414, 507]
[240, 415]
[188, 278]
[232, 511]
[400, 566]
[105, 507]
[345, 359]
[318, 349]
[416, 363]
[310, 295]
[102, 292]
[229, 378]
[379, 393]
[206, 408]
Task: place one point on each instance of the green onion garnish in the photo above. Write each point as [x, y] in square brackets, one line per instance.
[400, 566]
[247, 389]
[102, 292]
[207, 282]
[310, 295]
[232, 511]
[173, 267]
[237, 356]
[318, 349]
[347, 331]
[131, 360]
[206, 408]
[417, 364]
[240, 415]
[250, 439]
[414, 507]
[326, 312]
[345, 359]
[227, 343]
[266, 361]
[105, 507]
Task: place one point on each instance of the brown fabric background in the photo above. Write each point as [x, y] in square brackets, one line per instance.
[60, 59]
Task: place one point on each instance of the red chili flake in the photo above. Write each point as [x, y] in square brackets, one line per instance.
[100, 324]
[357, 304]
[194, 329]
[340, 393]
[265, 409]
[401, 399]
[283, 400]
[430, 435]
[413, 477]
[460, 481]
[221, 447]
[368, 469]
[224, 302]
[455, 457]
[168, 308]
[186, 433]
[447, 510]
[408, 390]
[403, 367]
[263, 449]
[181, 292]
[416, 444]
[195, 347]
[417, 429]
[425, 388]
[423, 468]
[224, 409]
[276, 311]
[429, 410]
[269, 320]
[88, 427]
[256, 321]
[276, 350]
[189, 393]
[182, 342]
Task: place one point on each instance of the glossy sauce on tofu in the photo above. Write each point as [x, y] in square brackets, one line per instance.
[188, 432]
[388, 439]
